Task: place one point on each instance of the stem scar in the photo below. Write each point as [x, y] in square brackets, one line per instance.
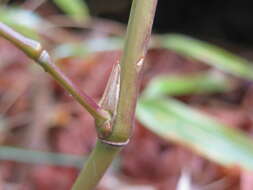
[139, 64]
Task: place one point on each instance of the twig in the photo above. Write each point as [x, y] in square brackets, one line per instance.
[35, 51]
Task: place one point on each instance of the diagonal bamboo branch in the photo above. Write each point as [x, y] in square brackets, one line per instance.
[35, 51]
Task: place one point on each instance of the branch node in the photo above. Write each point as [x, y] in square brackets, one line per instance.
[112, 143]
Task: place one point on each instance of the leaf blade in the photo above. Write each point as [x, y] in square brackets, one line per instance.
[207, 53]
[196, 83]
[77, 9]
[180, 124]
[24, 21]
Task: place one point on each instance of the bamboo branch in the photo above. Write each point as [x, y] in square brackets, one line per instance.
[35, 51]
[138, 34]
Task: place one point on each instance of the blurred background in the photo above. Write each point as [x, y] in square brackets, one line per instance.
[226, 20]
[196, 94]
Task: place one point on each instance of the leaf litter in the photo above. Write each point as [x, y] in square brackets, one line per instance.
[147, 160]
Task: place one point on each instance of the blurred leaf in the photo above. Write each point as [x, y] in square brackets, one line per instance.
[178, 123]
[104, 44]
[77, 9]
[209, 82]
[38, 157]
[24, 21]
[87, 47]
[70, 50]
[208, 53]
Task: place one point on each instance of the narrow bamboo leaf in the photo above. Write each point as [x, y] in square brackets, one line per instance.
[209, 54]
[87, 47]
[77, 9]
[208, 82]
[70, 50]
[23, 21]
[38, 157]
[178, 123]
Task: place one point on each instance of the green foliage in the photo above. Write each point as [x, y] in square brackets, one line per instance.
[23, 21]
[181, 124]
[178, 123]
[210, 54]
[87, 47]
[201, 83]
[38, 157]
[77, 9]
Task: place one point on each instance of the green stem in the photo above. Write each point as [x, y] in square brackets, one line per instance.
[138, 34]
[95, 167]
[35, 51]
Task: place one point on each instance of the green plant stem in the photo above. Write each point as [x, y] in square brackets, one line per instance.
[95, 167]
[138, 34]
[35, 51]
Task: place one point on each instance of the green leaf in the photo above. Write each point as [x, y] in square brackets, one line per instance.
[178, 123]
[87, 47]
[201, 83]
[70, 50]
[209, 54]
[77, 9]
[39, 157]
[23, 21]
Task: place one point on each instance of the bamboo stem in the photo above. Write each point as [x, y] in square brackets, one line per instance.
[138, 34]
[95, 167]
[35, 51]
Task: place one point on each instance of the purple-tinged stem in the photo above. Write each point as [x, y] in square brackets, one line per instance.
[35, 51]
